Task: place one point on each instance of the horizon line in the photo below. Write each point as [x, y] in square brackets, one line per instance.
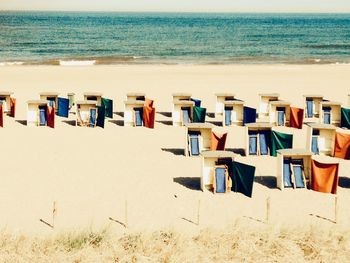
[178, 11]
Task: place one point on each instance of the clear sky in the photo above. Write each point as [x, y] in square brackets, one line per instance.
[181, 5]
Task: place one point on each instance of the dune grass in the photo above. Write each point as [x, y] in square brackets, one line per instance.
[236, 244]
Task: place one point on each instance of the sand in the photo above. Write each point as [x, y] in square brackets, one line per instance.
[92, 173]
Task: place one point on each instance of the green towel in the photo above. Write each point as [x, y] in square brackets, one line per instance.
[345, 118]
[280, 141]
[100, 122]
[199, 114]
[108, 104]
[243, 178]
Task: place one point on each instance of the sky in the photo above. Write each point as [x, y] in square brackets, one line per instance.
[180, 5]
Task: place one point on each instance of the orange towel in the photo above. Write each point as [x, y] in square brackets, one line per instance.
[1, 116]
[342, 146]
[296, 118]
[51, 117]
[148, 117]
[12, 107]
[218, 141]
[324, 177]
[148, 103]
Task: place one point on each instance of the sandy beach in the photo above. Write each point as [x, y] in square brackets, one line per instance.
[92, 173]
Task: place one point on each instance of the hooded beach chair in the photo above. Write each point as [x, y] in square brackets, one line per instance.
[280, 116]
[314, 142]
[327, 115]
[309, 108]
[228, 116]
[298, 173]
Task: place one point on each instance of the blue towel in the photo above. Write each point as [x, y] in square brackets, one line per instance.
[63, 107]
[228, 116]
[220, 180]
[249, 115]
[92, 121]
[138, 116]
[309, 108]
[287, 173]
[314, 145]
[197, 102]
[253, 140]
[42, 116]
[264, 150]
[194, 144]
[298, 175]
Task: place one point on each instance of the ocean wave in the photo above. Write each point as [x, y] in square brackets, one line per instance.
[12, 63]
[77, 62]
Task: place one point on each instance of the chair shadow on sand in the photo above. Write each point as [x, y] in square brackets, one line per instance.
[344, 182]
[119, 113]
[23, 122]
[267, 181]
[175, 151]
[165, 113]
[168, 123]
[192, 183]
[117, 122]
[70, 122]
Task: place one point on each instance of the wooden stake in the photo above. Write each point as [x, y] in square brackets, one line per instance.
[336, 209]
[126, 214]
[54, 211]
[198, 211]
[268, 205]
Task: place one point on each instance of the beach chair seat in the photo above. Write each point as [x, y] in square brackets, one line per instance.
[42, 116]
[93, 117]
[194, 143]
[228, 116]
[253, 142]
[221, 179]
[327, 115]
[263, 143]
[287, 178]
[309, 108]
[138, 116]
[186, 115]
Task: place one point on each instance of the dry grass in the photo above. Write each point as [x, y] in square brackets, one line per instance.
[238, 244]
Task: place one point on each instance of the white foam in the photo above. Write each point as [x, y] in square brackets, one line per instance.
[77, 62]
[14, 63]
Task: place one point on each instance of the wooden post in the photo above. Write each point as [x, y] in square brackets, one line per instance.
[336, 209]
[198, 211]
[126, 214]
[54, 211]
[268, 205]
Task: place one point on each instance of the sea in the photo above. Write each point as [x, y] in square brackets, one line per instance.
[103, 38]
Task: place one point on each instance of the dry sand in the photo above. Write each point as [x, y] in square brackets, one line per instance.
[91, 173]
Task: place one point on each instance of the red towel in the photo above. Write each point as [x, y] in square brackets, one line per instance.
[324, 177]
[218, 141]
[342, 146]
[1, 116]
[148, 103]
[148, 117]
[296, 118]
[12, 107]
[51, 117]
